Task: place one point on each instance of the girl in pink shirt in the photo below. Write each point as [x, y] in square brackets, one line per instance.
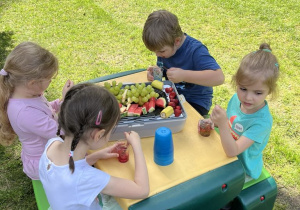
[25, 112]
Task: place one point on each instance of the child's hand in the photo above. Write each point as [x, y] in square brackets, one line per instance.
[109, 152]
[218, 116]
[133, 138]
[150, 73]
[175, 74]
[66, 88]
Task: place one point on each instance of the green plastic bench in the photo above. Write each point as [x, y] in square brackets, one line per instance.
[40, 196]
[259, 194]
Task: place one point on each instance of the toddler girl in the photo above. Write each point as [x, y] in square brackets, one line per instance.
[24, 111]
[245, 127]
[88, 115]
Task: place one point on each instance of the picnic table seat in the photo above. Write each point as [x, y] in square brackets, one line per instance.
[40, 196]
[257, 194]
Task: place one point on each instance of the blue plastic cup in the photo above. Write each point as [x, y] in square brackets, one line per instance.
[163, 147]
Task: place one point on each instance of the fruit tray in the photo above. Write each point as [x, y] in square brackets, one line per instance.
[146, 124]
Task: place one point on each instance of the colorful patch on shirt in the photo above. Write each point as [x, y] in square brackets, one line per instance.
[233, 133]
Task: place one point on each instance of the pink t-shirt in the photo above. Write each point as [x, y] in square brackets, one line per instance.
[34, 120]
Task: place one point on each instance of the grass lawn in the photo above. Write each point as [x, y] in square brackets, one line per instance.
[93, 38]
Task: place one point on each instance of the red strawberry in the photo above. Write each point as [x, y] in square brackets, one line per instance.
[172, 104]
[172, 95]
[177, 112]
[169, 90]
[178, 107]
[175, 100]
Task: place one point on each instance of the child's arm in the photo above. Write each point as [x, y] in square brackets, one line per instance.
[139, 187]
[108, 152]
[231, 147]
[205, 77]
[56, 103]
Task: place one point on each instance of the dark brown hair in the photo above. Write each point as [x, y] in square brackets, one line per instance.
[259, 65]
[161, 29]
[79, 113]
[27, 61]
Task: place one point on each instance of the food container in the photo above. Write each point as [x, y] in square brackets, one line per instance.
[146, 125]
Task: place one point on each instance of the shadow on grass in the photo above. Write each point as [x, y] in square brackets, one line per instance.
[6, 43]
[285, 200]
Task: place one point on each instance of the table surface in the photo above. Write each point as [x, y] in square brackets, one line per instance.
[194, 155]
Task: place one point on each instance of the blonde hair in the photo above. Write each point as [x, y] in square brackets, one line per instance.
[161, 29]
[259, 65]
[27, 61]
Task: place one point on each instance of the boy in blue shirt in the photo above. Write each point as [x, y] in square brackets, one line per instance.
[186, 61]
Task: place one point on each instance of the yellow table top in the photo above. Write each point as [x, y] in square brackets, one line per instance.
[193, 154]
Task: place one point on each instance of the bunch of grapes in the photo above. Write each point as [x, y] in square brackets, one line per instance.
[137, 93]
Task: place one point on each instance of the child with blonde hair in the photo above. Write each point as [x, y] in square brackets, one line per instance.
[246, 125]
[88, 115]
[24, 111]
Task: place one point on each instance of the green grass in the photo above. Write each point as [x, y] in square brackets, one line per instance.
[100, 37]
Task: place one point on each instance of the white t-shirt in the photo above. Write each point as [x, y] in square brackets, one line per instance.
[65, 190]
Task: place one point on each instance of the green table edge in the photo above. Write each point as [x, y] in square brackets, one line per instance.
[113, 76]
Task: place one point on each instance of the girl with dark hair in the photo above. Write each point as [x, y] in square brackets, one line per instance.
[87, 117]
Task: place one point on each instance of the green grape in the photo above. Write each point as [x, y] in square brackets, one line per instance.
[121, 91]
[144, 99]
[116, 92]
[132, 87]
[137, 94]
[141, 103]
[149, 87]
[120, 84]
[136, 85]
[143, 85]
[156, 95]
[127, 87]
[111, 90]
[134, 99]
[145, 91]
[133, 91]
[152, 94]
[129, 93]
[143, 94]
[114, 83]
[140, 87]
[148, 96]
[119, 97]
[117, 88]
[106, 85]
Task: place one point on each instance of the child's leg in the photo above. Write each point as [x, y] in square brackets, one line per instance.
[109, 203]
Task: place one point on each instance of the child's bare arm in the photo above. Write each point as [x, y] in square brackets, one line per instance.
[205, 77]
[139, 187]
[230, 145]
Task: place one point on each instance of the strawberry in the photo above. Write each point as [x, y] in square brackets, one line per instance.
[169, 90]
[172, 104]
[172, 95]
[178, 107]
[177, 112]
[175, 100]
